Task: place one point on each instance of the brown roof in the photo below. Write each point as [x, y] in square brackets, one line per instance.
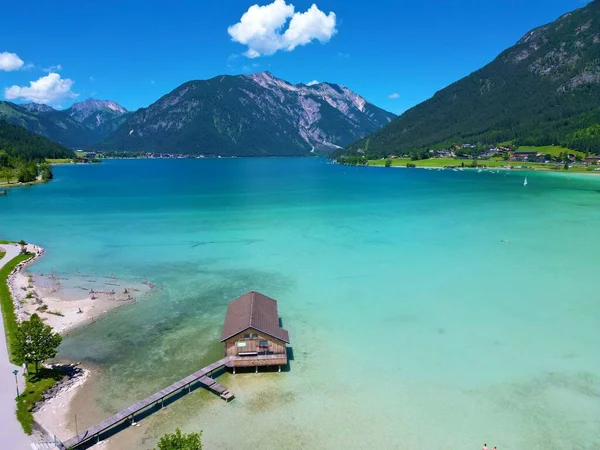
[253, 310]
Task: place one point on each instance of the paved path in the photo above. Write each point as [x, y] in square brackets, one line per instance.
[12, 434]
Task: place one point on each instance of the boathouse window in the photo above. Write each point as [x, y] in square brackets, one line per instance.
[247, 336]
[263, 343]
[254, 336]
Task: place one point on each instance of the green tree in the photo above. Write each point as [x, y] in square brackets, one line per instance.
[180, 441]
[27, 172]
[36, 341]
[46, 171]
[6, 173]
[4, 158]
[388, 163]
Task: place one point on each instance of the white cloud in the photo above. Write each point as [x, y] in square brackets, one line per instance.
[261, 28]
[56, 68]
[92, 79]
[394, 95]
[49, 90]
[312, 83]
[10, 61]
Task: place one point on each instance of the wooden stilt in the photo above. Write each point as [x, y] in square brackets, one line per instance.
[256, 369]
[279, 369]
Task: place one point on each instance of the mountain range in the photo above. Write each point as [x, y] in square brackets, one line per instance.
[544, 90]
[254, 115]
[82, 125]
[243, 115]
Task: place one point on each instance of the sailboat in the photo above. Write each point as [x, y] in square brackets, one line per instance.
[525, 182]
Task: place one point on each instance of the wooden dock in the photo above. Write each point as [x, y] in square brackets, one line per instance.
[128, 414]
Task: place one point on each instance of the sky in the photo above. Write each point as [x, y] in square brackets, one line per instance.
[396, 54]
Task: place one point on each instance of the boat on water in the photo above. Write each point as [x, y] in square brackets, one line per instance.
[525, 182]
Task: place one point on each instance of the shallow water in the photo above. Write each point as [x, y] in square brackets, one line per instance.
[411, 321]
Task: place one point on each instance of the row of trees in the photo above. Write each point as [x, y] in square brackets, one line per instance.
[23, 154]
[23, 171]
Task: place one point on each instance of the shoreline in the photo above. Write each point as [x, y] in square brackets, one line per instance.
[490, 169]
[45, 296]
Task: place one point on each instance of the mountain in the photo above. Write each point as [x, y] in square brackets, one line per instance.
[22, 144]
[544, 90]
[53, 124]
[254, 115]
[81, 125]
[101, 117]
[82, 110]
[37, 107]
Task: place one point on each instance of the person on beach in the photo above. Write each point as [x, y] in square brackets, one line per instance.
[485, 447]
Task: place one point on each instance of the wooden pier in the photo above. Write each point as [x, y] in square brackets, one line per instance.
[128, 414]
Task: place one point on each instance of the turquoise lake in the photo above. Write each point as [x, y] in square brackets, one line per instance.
[413, 325]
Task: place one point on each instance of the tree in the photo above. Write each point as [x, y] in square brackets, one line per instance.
[180, 441]
[388, 163]
[27, 172]
[46, 171]
[6, 173]
[36, 341]
[23, 244]
[4, 158]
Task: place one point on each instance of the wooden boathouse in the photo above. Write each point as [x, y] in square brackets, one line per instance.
[253, 337]
[252, 333]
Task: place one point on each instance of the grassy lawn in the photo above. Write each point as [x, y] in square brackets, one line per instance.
[4, 241]
[553, 150]
[59, 160]
[2, 254]
[8, 310]
[36, 384]
[12, 181]
[490, 163]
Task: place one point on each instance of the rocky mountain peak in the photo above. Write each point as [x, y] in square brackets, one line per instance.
[82, 110]
[37, 107]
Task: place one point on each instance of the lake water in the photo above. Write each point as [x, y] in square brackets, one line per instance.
[413, 325]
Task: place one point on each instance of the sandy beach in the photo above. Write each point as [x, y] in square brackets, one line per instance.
[67, 301]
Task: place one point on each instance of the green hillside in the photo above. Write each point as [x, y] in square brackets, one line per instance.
[545, 90]
[21, 144]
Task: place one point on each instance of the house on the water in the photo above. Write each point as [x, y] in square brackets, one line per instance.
[252, 333]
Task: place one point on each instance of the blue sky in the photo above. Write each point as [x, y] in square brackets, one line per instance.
[134, 52]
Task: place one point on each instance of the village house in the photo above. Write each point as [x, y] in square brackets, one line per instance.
[595, 160]
[252, 333]
[524, 156]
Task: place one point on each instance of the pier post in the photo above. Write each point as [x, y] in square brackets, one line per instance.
[256, 369]
[234, 370]
[279, 368]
